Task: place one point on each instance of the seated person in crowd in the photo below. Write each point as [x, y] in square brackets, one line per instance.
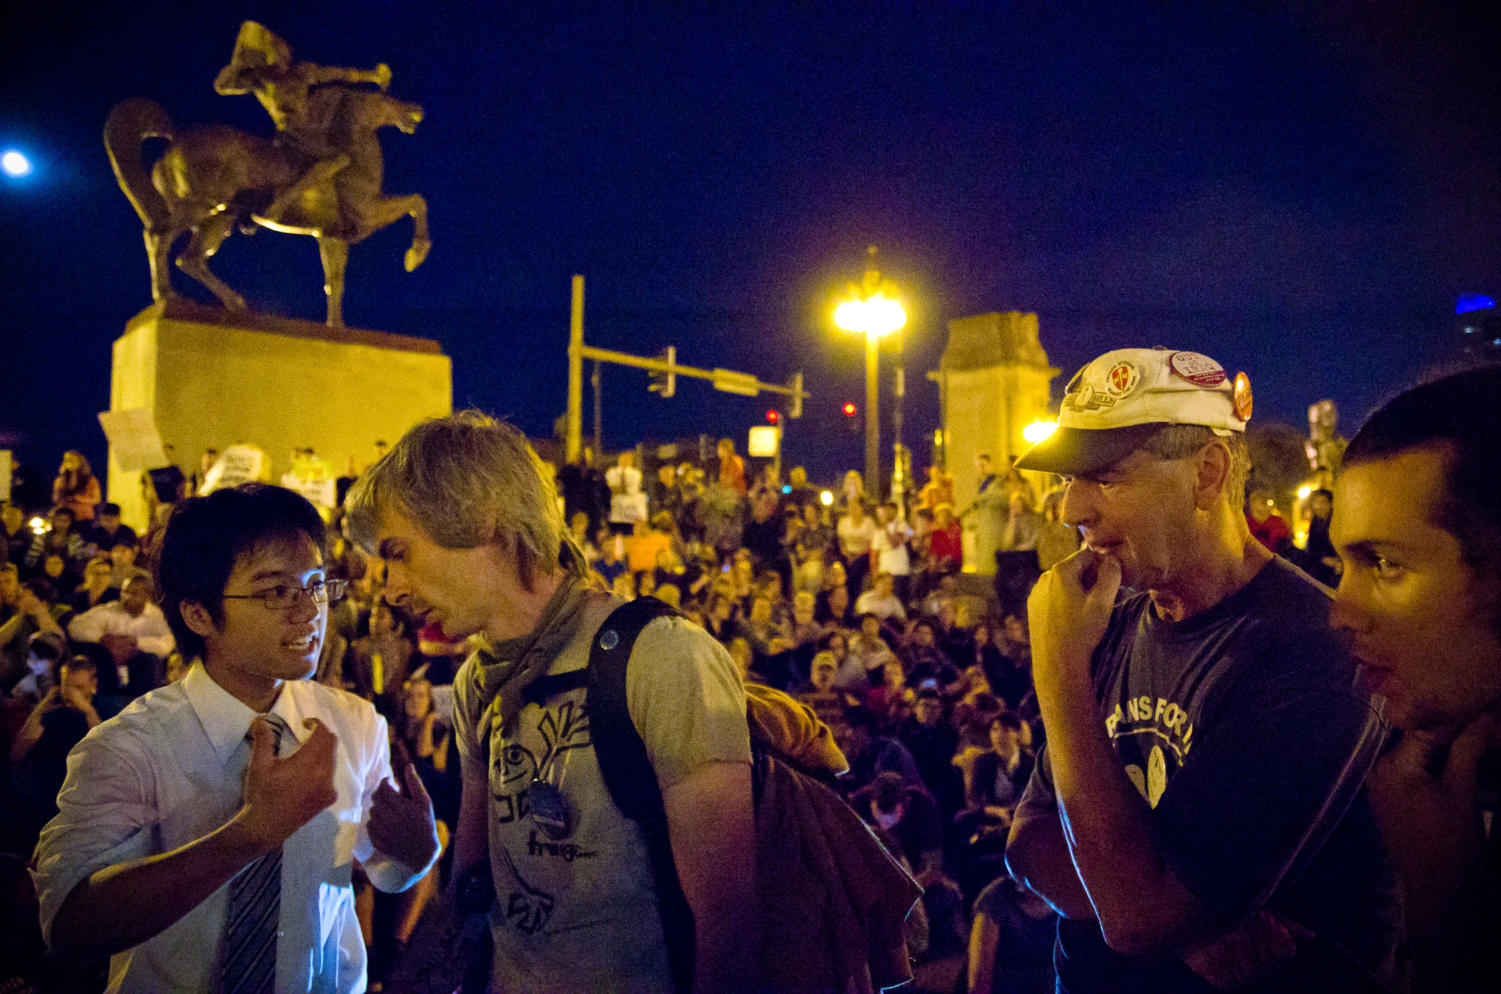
[132, 630]
[44, 654]
[881, 600]
[122, 556]
[107, 528]
[39, 752]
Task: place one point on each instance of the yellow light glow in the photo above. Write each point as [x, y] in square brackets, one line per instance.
[875, 316]
[826, 498]
[1304, 491]
[1038, 430]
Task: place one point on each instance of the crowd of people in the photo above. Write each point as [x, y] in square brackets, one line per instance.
[855, 606]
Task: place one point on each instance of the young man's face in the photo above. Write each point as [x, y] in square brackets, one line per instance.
[454, 588]
[1418, 618]
[1138, 509]
[256, 647]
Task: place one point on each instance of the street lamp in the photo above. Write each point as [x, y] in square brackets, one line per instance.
[872, 312]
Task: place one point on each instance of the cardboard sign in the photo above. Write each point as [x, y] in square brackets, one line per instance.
[237, 464]
[133, 439]
[321, 493]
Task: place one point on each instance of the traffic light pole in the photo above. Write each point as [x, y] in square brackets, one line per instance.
[727, 380]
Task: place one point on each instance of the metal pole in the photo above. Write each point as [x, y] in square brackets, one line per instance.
[573, 440]
[872, 421]
[599, 409]
[899, 472]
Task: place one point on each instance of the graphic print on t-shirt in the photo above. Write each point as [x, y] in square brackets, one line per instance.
[562, 728]
[1152, 738]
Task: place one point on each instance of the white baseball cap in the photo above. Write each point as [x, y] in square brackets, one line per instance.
[1117, 401]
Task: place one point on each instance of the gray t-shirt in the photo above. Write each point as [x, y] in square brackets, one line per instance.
[1243, 729]
[580, 913]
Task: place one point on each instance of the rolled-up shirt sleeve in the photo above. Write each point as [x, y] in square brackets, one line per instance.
[106, 815]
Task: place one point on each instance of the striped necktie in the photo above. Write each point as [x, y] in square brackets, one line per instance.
[249, 965]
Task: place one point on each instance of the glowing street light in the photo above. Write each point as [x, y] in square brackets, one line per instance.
[873, 312]
[15, 164]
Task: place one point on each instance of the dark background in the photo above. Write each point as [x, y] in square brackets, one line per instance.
[1298, 192]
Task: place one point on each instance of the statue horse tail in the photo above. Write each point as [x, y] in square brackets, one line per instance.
[130, 123]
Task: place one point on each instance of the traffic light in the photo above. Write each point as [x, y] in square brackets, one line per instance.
[795, 399]
[851, 423]
[665, 382]
[849, 408]
[772, 416]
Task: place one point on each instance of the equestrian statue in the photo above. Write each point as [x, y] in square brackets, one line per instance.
[320, 175]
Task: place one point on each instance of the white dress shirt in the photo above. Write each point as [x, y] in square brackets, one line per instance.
[149, 628]
[168, 770]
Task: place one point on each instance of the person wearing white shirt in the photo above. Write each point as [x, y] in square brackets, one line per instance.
[133, 631]
[889, 544]
[167, 803]
[627, 502]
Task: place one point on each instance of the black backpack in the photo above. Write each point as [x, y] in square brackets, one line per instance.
[632, 784]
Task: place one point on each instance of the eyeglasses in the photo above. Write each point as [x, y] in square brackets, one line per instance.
[284, 596]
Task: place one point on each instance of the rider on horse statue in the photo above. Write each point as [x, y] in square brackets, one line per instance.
[305, 115]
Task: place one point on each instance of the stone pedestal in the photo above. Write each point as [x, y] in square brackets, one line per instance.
[993, 381]
[212, 379]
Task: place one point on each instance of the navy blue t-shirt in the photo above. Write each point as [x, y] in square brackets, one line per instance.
[1243, 729]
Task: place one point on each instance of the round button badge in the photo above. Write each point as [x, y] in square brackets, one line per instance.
[1242, 396]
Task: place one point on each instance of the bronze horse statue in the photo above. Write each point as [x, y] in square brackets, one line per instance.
[215, 178]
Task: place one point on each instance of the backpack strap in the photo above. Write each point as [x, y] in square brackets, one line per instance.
[628, 772]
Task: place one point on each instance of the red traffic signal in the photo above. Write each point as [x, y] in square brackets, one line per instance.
[772, 416]
[849, 408]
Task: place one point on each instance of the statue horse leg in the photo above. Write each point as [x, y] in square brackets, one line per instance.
[335, 255]
[376, 213]
[158, 245]
[208, 235]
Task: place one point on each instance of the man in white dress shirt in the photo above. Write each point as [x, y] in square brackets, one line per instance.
[133, 630]
[186, 790]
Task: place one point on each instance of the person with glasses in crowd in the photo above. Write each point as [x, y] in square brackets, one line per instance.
[207, 834]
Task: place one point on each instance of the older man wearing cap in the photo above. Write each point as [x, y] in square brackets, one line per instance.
[1197, 817]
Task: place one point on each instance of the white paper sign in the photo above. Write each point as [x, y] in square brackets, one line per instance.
[236, 465]
[319, 492]
[133, 439]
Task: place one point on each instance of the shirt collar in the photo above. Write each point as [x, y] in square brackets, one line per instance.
[226, 719]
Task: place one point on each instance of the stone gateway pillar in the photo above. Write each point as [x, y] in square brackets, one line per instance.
[993, 380]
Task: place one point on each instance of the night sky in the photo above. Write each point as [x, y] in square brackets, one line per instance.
[1299, 193]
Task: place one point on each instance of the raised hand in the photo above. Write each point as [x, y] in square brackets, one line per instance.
[1069, 608]
[284, 793]
[401, 824]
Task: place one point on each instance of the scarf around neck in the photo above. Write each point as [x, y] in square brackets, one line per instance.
[503, 670]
